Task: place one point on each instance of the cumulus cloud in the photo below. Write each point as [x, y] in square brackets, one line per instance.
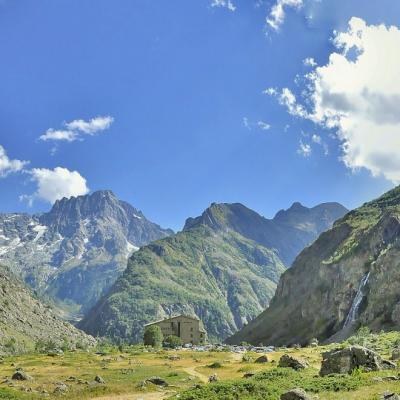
[8, 166]
[309, 62]
[224, 3]
[75, 129]
[277, 15]
[263, 125]
[357, 93]
[55, 184]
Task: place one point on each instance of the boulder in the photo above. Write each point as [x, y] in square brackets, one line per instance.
[295, 394]
[20, 375]
[261, 360]
[213, 378]
[99, 379]
[156, 380]
[60, 388]
[390, 396]
[396, 354]
[248, 375]
[287, 361]
[344, 361]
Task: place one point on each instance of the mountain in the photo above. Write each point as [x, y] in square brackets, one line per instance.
[223, 268]
[348, 278]
[24, 320]
[75, 252]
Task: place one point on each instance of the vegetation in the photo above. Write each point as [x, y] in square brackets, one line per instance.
[172, 341]
[153, 336]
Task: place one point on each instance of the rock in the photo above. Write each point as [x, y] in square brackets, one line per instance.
[99, 379]
[20, 375]
[248, 375]
[396, 354]
[213, 378]
[390, 378]
[344, 361]
[295, 394]
[261, 360]
[55, 353]
[287, 361]
[174, 357]
[156, 380]
[390, 396]
[60, 388]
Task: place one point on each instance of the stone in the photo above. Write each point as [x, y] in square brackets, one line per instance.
[99, 379]
[295, 394]
[287, 361]
[390, 396]
[395, 354]
[261, 360]
[213, 378]
[248, 375]
[61, 387]
[344, 361]
[156, 380]
[20, 375]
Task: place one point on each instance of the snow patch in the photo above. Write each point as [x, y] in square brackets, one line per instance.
[40, 229]
[130, 248]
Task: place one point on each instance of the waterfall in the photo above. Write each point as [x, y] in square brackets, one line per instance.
[352, 315]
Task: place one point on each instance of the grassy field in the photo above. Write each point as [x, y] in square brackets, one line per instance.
[125, 372]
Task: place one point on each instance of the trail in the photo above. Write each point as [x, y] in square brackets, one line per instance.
[192, 371]
[136, 396]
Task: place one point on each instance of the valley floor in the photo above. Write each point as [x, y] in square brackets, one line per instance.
[72, 376]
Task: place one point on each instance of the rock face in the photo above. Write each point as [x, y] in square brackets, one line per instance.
[349, 271]
[77, 250]
[24, 320]
[344, 361]
[223, 268]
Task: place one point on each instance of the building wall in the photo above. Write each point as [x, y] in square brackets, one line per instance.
[187, 329]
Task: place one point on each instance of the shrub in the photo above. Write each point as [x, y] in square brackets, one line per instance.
[173, 341]
[153, 336]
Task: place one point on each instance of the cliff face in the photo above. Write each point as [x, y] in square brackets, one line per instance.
[316, 295]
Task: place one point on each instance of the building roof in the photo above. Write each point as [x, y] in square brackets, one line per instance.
[171, 318]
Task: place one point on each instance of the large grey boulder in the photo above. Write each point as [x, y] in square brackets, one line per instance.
[20, 375]
[295, 394]
[287, 361]
[344, 361]
[396, 354]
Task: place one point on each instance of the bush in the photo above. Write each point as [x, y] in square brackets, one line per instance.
[215, 364]
[153, 336]
[173, 341]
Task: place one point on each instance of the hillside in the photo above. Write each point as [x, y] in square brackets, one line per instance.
[347, 278]
[75, 252]
[223, 268]
[24, 320]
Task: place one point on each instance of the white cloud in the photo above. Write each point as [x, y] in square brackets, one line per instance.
[224, 3]
[316, 138]
[52, 134]
[8, 166]
[357, 93]
[246, 123]
[92, 126]
[263, 125]
[304, 149]
[77, 128]
[55, 184]
[309, 62]
[277, 14]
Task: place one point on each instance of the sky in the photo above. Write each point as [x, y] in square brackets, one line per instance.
[177, 104]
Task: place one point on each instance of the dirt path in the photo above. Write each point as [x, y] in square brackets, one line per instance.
[192, 371]
[136, 396]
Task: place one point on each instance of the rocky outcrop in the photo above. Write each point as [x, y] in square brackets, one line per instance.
[295, 394]
[75, 252]
[345, 361]
[314, 297]
[223, 268]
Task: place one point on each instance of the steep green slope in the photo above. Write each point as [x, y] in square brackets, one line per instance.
[347, 278]
[24, 320]
[218, 268]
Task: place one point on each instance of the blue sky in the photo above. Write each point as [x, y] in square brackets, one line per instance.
[182, 83]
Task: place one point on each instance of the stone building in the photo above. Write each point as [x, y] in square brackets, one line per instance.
[189, 329]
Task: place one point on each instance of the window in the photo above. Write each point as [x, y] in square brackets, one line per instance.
[191, 329]
[191, 335]
[201, 335]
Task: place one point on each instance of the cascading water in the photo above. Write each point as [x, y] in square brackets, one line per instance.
[353, 313]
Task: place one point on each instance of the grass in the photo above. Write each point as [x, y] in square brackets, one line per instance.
[125, 371]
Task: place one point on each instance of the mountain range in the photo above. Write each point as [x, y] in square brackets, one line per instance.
[223, 267]
[74, 253]
[346, 279]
